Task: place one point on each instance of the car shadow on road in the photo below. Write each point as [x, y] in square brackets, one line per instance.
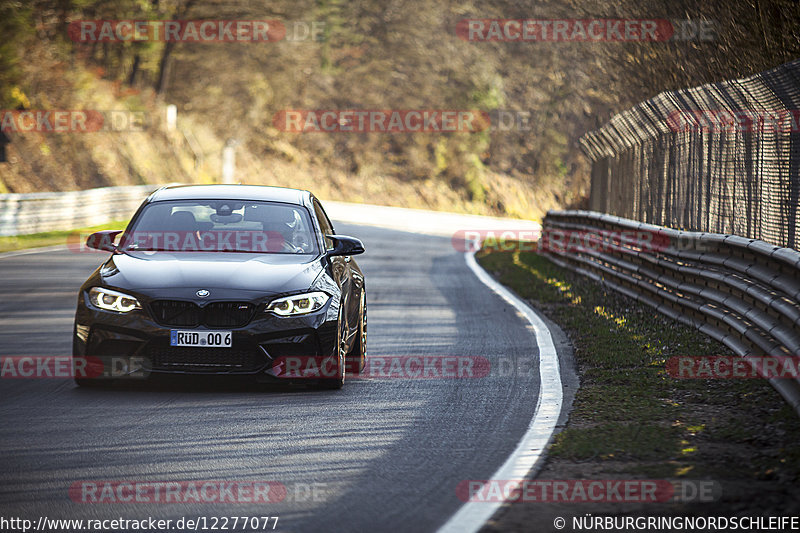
[218, 384]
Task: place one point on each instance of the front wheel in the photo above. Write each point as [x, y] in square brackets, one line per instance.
[88, 382]
[338, 381]
[357, 357]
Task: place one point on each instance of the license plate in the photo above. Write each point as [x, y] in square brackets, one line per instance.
[201, 339]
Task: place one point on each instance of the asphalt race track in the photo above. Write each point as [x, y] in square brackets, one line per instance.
[379, 455]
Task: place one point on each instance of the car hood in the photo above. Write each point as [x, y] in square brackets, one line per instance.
[224, 275]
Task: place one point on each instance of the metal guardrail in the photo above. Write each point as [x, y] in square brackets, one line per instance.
[742, 292]
[49, 211]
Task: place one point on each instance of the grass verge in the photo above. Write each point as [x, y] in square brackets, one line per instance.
[631, 419]
[52, 238]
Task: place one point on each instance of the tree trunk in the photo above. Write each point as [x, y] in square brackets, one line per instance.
[169, 46]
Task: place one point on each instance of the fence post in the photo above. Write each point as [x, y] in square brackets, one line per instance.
[229, 161]
[172, 117]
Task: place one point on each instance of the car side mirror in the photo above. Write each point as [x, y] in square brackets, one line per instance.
[103, 240]
[344, 245]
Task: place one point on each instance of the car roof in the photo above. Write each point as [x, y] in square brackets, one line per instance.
[232, 192]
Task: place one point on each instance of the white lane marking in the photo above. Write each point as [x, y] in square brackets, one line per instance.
[39, 250]
[530, 449]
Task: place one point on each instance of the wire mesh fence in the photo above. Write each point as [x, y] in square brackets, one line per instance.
[720, 158]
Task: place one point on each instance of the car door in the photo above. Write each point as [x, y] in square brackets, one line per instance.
[342, 273]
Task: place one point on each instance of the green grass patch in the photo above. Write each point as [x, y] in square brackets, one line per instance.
[616, 441]
[628, 408]
[52, 238]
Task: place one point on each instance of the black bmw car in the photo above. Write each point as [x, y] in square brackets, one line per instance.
[225, 279]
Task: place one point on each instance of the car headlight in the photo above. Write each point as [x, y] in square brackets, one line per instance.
[299, 304]
[113, 300]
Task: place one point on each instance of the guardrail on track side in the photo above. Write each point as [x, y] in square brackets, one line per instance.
[50, 211]
[742, 292]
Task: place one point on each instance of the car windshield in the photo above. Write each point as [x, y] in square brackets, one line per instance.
[221, 226]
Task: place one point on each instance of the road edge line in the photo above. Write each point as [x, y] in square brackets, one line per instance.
[472, 516]
[35, 250]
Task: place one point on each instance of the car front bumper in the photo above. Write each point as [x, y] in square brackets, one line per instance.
[137, 338]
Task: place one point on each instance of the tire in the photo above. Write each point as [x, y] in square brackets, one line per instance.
[357, 356]
[88, 382]
[338, 381]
